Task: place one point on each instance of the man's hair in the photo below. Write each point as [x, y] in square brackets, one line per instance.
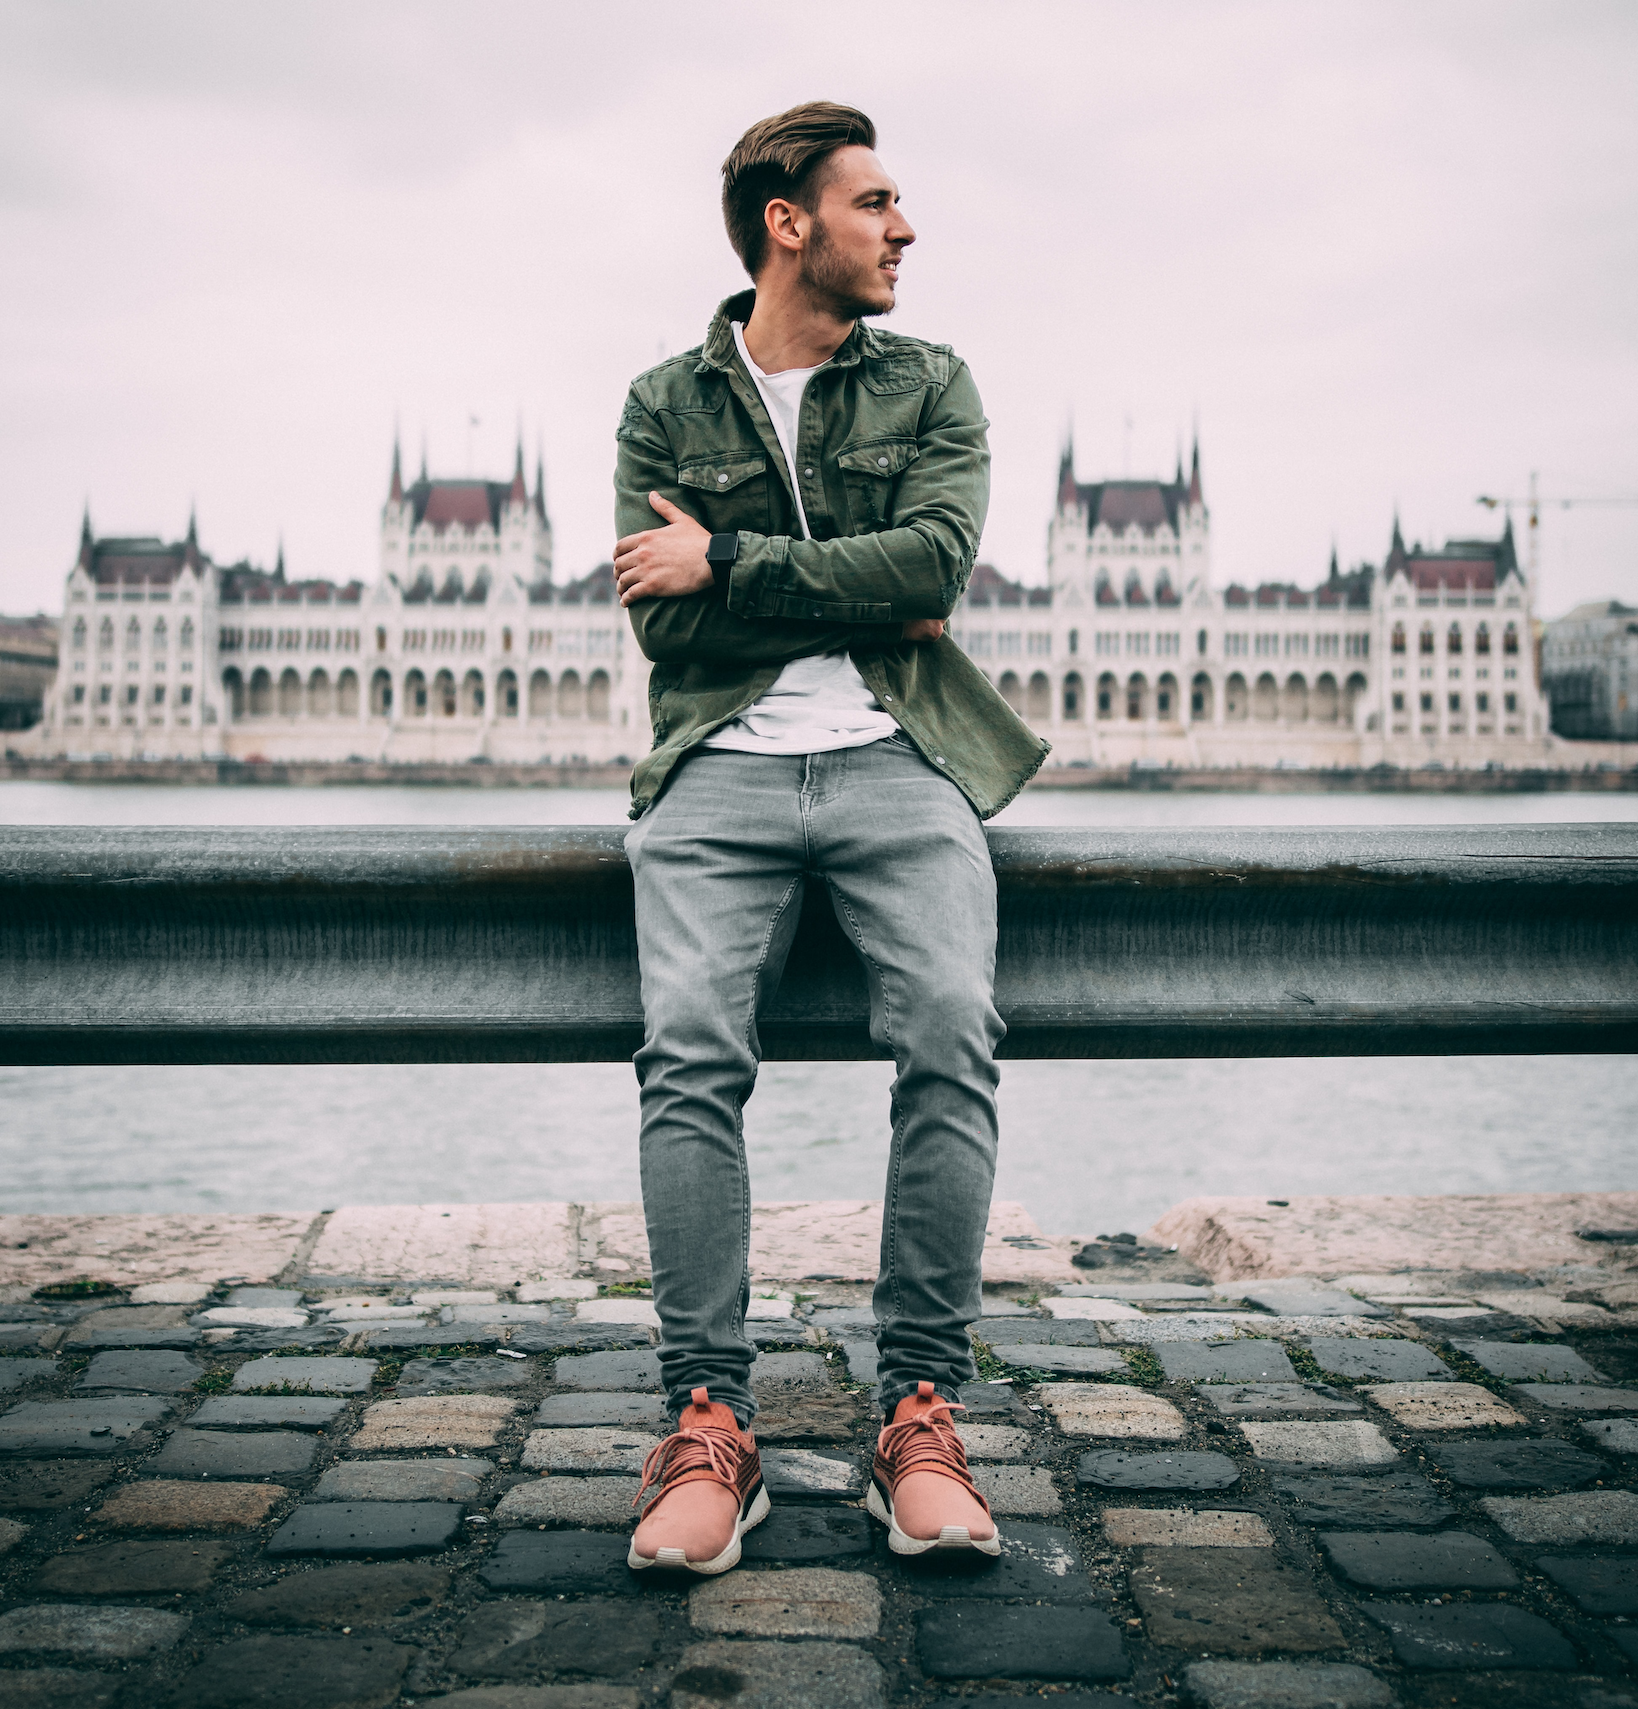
[784, 158]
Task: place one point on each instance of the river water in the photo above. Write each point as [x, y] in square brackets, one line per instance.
[1090, 1147]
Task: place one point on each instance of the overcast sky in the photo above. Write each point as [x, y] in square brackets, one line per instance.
[1385, 253]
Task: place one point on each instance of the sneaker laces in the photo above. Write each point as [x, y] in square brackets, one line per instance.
[709, 1448]
[926, 1441]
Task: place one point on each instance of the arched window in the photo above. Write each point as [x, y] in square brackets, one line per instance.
[289, 694]
[320, 701]
[1352, 689]
[1236, 703]
[233, 691]
[1265, 698]
[1012, 691]
[187, 634]
[540, 695]
[1166, 697]
[347, 694]
[1137, 695]
[380, 640]
[472, 696]
[1510, 639]
[571, 699]
[1040, 697]
[160, 635]
[261, 693]
[506, 694]
[1397, 645]
[79, 634]
[381, 695]
[1201, 642]
[1425, 645]
[1074, 640]
[1072, 697]
[1107, 688]
[133, 636]
[443, 694]
[597, 696]
[415, 695]
[1200, 697]
[1453, 641]
[1324, 704]
[1294, 701]
[1481, 640]
[506, 641]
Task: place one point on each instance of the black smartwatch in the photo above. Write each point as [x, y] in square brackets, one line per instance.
[720, 555]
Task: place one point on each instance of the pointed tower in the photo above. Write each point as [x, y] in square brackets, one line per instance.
[1398, 557]
[278, 567]
[1067, 495]
[190, 546]
[1194, 472]
[540, 486]
[395, 492]
[87, 545]
[518, 493]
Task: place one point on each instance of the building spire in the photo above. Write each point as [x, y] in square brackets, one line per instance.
[395, 494]
[519, 493]
[190, 547]
[540, 484]
[86, 544]
[1066, 473]
[423, 455]
[1194, 471]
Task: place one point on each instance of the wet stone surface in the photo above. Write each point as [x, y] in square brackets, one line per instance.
[136, 1568]
[1110, 1468]
[1600, 1584]
[146, 1373]
[1235, 1602]
[519, 1639]
[1387, 1560]
[816, 1534]
[962, 1641]
[439, 1376]
[223, 1454]
[1277, 1400]
[1225, 1361]
[1383, 1361]
[1517, 1465]
[296, 1673]
[563, 1563]
[343, 1596]
[1472, 1637]
[380, 1529]
[1390, 1500]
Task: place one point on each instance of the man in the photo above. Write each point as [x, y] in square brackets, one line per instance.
[800, 501]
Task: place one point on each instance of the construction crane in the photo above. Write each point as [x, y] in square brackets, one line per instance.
[1534, 503]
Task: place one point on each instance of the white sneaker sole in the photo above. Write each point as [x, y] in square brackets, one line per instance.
[676, 1561]
[902, 1543]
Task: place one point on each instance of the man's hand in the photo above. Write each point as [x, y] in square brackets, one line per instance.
[663, 563]
[924, 629]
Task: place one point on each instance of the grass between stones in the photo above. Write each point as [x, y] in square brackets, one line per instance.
[82, 1287]
[1308, 1369]
[626, 1290]
[214, 1382]
[1470, 1370]
[387, 1373]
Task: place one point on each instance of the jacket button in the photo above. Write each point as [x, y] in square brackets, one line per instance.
[881, 462]
[808, 472]
[939, 758]
[722, 480]
[887, 697]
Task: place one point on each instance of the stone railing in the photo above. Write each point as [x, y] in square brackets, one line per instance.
[373, 945]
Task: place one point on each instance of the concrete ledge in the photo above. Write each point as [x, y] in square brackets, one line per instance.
[1233, 1239]
[374, 944]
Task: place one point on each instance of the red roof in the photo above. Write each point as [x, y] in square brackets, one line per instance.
[465, 503]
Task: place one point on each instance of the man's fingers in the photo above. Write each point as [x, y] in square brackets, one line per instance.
[667, 509]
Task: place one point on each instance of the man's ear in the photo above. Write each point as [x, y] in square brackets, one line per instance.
[783, 219]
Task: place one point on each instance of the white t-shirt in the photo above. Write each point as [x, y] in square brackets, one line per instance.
[817, 704]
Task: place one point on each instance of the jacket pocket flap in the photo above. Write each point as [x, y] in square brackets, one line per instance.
[721, 474]
[882, 457]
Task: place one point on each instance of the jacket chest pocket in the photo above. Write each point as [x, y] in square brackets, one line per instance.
[870, 472]
[731, 492]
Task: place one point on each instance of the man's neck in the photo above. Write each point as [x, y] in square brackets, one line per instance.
[787, 329]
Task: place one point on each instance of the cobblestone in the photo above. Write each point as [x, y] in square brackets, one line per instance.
[439, 1376]
[74, 1427]
[777, 1676]
[1524, 1362]
[592, 1449]
[343, 1596]
[796, 1474]
[1517, 1465]
[516, 1639]
[1443, 1406]
[1302, 1296]
[565, 1563]
[1259, 1400]
[1613, 1435]
[993, 1441]
[159, 1504]
[404, 1480]
[800, 1602]
[133, 1568]
[1578, 1397]
[792, 1416]
[1286, 1685]
[17, 1374]
[307, 1376]
[382, 1530]
[1024, 1491]
[631, 1411]
[243, 1454]
[12, 1532]
[297, 1673]
[1183, 1528]
[1236, 1602]
[1062, 1361]
[961, 1641]
[435, 1421]
[41, 1486]
[1113, 1410]
[1389, 1499]
[1225, 1361]
[795, 1535]
[268, 1412]
[91, 1633]
[1592, 1516]
[1091, 1310]
[569, 1501]
[1037, 1563]
[1344, 1443]
[1390, 1560]
[1113, 1468]
[1385, 1360]
[1472, 1636]
[636, 1372]
[1004, 1333]
[61, 1688]
[1600, 1584]
[149, 1373]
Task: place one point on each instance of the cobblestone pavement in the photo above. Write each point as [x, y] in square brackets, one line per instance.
[1413, 1488]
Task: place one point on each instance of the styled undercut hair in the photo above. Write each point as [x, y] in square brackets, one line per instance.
[784, 158]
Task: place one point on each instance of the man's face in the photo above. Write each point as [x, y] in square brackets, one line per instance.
[856, 237]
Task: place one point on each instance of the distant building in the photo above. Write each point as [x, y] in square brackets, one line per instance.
[1589, 668]
[1129, 654]
[461, 648]
[28, 662]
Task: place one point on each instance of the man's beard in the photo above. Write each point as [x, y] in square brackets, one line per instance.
[833, 282]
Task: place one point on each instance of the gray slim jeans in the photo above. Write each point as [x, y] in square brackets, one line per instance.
[719, 863]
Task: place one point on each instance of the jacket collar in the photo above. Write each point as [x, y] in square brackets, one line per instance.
[719, 350]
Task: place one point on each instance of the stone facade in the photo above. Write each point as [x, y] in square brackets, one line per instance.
[1589, 665]
[1130, 654]
[462, 648]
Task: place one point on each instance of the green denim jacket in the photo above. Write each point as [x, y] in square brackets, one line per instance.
[895, 469]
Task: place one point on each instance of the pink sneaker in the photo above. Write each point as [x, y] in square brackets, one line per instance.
[718, 1472]
[921, 1478]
